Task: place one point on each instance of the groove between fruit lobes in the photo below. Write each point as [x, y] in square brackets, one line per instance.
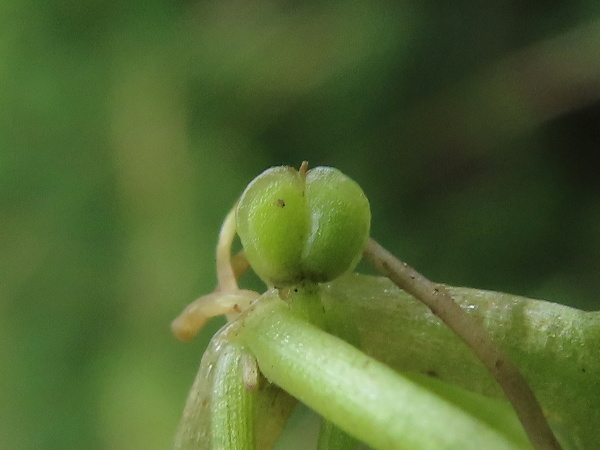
[296, 227]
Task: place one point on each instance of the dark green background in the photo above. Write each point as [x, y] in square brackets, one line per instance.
[128, 129]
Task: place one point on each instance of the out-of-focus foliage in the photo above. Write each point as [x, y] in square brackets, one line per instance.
[128, 129]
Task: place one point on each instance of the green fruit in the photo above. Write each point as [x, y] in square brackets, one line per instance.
[297, 226]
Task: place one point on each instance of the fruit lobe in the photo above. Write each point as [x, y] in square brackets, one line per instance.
[302, 226]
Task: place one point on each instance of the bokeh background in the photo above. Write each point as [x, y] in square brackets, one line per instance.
[128, 129]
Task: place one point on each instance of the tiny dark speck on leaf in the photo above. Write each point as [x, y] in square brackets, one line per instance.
[280, 202]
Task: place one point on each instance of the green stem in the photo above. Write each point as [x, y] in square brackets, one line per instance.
[360, 395]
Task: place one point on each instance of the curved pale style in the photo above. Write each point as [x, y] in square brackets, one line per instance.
[227, 299]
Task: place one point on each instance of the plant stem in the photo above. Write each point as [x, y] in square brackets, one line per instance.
[436, 297]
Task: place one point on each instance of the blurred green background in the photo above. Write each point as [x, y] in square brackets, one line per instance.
[128, 129]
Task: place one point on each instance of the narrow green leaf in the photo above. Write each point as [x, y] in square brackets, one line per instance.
[194, 428]
[232, 409]
[556, 347]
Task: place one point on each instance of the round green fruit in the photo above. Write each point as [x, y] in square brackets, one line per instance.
[297, 225]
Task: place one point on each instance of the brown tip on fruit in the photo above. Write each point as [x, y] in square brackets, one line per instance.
[303, 168]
